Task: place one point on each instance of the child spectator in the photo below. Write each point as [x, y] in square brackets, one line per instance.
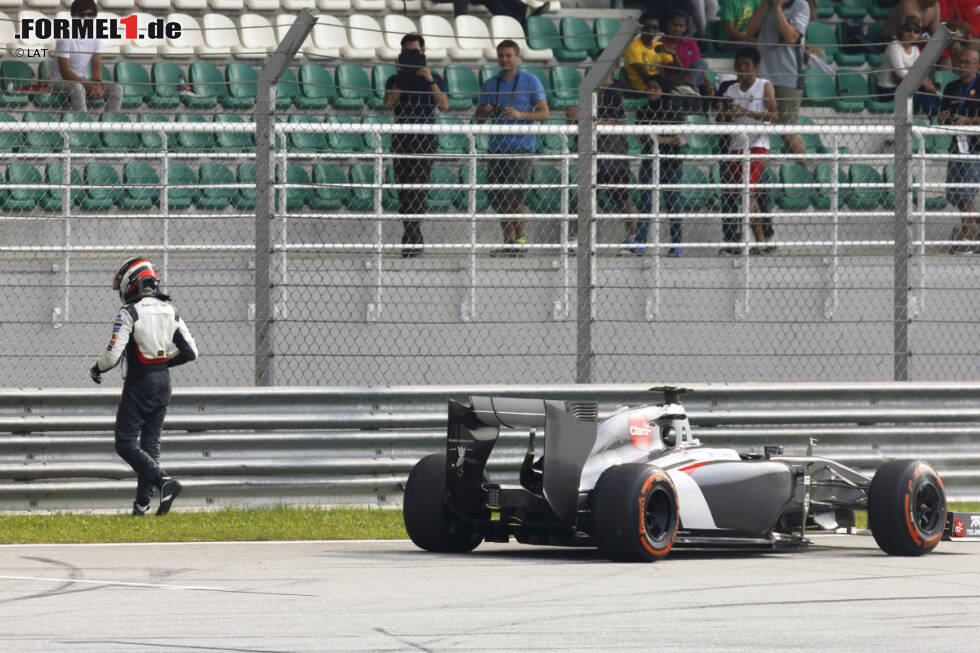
[749, 101]
[688, 65]
[734, 15]
[645, 55]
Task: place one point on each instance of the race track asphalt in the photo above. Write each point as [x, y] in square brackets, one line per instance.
[841, 594]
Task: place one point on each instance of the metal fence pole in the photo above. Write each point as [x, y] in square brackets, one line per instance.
[903, 196]
[585, 257]
[275, 64]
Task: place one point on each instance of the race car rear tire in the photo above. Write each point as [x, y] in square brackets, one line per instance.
[634, 513]
[906, 508]
[429, 523]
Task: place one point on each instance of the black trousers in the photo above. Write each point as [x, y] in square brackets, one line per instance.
[513, 8]
[138, 421]
[417, 170]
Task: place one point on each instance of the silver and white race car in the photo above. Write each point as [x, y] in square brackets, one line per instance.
[638, 483]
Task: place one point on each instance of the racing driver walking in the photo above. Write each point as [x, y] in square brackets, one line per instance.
[154, 339]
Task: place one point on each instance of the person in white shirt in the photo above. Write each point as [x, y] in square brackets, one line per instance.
[751, 100]
[899, 57]
[71, 74]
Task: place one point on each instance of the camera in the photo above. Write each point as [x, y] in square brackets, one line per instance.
[409, 63]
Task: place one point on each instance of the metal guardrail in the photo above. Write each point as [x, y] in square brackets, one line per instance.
[315, 445]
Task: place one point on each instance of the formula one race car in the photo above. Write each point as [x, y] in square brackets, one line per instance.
[637, 483]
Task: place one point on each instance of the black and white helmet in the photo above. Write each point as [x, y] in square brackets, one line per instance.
[135, 279]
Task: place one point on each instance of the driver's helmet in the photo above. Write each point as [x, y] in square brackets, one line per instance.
[135, 279]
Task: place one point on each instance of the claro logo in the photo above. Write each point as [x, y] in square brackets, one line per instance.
[958, 529]
[641, 433]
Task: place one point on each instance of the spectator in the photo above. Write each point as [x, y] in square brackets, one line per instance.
[688, 65]
[701, 11]
[511, 97]
[735, 15]
[516, 9]
[657, 111]
[963, 15]
[899, 57]
[751, 100]
[414, 94]
[610, 110]
[961, 39]
[926, 10]
[645, 55]
[961, 107]
[73, 56]
[780, 26]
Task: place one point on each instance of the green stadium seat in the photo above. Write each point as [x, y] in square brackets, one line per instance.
[207, 85]
[811, 142]
[545, 81]
[863, 199]
[345, 141]
[935, 202]
[462, 88]
[233, 141]
[552, 143]
[316, 87]
[820, 197]
[165, 78]
[361, 199]
[845, 55]
[48, 100]
[100, 199]
[119, 141]
[852, 91]
[38, 141]
[370, 138]
[309, 141]
[52, 199]
[81, 140]
[14, 75]
[10, 141]
[452, 143]
[793, 199]
[548, 198]
[181, 174]
[135, 83]
[880, 12]
[380, 73]
[699, 143]
[197, 141]
[21, 199]
[604, 30]
[244, 198]
[690, 201]
[822, 36]
[818, 88]
[543, 34]
[938, 143]
[331, 192]
[714, 33]
[153, 140]
[874, 59]
[873, 104]
[825, 8]
[287, 89]
[242, 86]
[853, 8]
[353, 87]
[389, 196]
[576, 34]
[141, 187]
[565, 81]
[214, 199]
[487, 71]
[442, 199]
[943, 77]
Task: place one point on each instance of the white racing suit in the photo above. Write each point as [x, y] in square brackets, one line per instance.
[154, 339]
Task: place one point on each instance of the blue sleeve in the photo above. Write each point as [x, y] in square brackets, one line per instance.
[536, 90]
[485, 94]
[440, 82]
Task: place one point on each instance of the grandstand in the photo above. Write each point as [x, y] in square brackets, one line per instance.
[184, 189]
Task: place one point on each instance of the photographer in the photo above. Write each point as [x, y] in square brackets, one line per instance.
[961, 107]
[414, 94]
[511, 97]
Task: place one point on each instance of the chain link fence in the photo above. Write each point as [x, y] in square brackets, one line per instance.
[450, 252]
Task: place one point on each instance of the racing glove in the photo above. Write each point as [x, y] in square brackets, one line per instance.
[95, 373]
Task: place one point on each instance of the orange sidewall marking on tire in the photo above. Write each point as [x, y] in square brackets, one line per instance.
[642, 505]
[908, 520]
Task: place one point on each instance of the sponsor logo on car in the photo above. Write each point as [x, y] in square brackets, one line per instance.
[959, 530]
[641, 433]
[974, 521]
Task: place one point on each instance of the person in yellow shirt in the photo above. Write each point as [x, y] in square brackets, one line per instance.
[644, 56]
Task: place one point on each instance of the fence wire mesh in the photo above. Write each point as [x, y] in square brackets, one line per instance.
[429, 234]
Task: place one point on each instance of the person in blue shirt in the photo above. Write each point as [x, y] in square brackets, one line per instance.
[511, 97]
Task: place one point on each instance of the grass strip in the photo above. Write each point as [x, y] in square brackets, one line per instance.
[230, 524]
[227, 524]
